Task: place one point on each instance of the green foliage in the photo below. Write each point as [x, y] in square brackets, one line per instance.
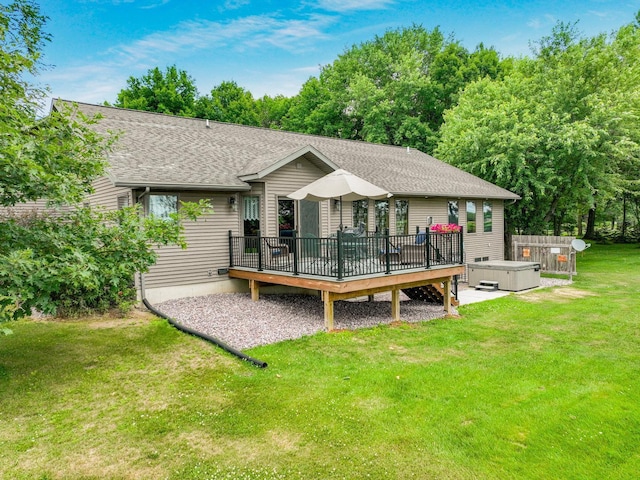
[555, 130]
[70, 258]
[73, 262]
[272, 110]
[228, 103]
[173, 92]
[393, 89]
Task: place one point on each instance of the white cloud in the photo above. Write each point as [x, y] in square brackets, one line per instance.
[248, 32]
[537, 23]
[235, 4]
[349, 5]
[96, 81]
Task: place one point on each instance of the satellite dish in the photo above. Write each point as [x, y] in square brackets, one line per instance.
[578, 245]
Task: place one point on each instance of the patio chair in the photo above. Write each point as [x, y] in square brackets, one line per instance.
[414, 253]
[277, 255]
[394, 254]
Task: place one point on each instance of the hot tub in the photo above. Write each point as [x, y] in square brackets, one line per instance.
[511, 276]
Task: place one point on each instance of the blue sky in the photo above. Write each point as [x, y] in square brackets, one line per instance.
[273, 46]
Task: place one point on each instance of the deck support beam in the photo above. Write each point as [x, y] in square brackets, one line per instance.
[395, 305]
[254, 286]
[333, 291]
[447, 295]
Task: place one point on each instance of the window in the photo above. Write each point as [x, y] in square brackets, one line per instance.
[487, 213]
[286, 217]
[471, 217]
[382, 215]
[361, 213]
[454, 217]
[251, 209]
[402, 217]
[162, 205]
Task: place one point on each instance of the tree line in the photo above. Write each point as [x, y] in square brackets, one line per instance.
[558, 127]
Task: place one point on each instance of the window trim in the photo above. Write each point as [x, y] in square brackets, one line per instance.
[475, 216]
[486, 203]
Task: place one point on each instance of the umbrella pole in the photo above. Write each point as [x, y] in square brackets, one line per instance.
[341, 226]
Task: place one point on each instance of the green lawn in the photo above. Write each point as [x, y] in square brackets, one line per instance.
[541, 385]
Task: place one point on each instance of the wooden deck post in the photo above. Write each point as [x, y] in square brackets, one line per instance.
[254, 286]
[327, 298]
[395, 305]
[447, 295]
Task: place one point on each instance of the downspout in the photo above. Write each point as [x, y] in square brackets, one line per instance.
[146, 192]
[208, 338]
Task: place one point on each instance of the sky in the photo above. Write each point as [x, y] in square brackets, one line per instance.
[271, 47]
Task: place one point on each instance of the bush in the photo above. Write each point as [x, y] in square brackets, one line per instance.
[81, 260]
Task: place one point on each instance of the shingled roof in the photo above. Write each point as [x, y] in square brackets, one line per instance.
[187, 153]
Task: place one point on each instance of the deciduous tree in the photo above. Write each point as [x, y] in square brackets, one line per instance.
[172, 92]
[67, 256]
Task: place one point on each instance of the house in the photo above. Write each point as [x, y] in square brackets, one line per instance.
[247, 172]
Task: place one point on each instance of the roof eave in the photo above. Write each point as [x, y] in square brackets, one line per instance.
[183, 186]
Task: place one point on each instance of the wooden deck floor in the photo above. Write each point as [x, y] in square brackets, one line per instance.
[333, 289]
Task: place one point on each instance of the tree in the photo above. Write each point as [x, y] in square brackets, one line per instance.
[228, 103]
[393, 89]
[271, 111]
[553, 130]
[66, 257]
[173, 92]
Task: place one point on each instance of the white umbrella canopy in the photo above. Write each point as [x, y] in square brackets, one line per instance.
[340, 184]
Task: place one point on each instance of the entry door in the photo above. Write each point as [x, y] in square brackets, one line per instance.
[309, 218]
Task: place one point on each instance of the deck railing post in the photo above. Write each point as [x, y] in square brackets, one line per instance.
[296, 250]
[230, 249]
[340, 255]
[259, 251]
[427, 243]
[461, 244]
[387, 249]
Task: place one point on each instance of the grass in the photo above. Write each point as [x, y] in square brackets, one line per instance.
[540, 385]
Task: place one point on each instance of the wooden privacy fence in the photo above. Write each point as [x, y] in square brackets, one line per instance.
[554, 254]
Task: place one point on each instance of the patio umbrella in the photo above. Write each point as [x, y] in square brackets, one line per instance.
[340, 184]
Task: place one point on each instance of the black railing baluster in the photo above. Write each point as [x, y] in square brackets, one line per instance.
[340, 255]
[387, 249]
[260, 249]
[296, 251]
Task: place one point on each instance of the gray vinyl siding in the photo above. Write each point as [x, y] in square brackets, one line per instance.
[481, 244]
[207, 251]
[106, 195]
[284, 181]
[476, 245]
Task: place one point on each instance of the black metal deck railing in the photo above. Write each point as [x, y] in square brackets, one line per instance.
[346, 254]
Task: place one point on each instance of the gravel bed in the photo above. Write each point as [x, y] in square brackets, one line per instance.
[242, 323]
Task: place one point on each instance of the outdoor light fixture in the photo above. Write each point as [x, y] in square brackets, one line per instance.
[336, 204]
[232, 203]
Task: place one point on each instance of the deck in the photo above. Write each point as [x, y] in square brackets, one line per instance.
[347, 266]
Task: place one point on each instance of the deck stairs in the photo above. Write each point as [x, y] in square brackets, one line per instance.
[487, 285]
[433, 293]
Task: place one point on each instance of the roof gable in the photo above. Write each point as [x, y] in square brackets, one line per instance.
[263, 166]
